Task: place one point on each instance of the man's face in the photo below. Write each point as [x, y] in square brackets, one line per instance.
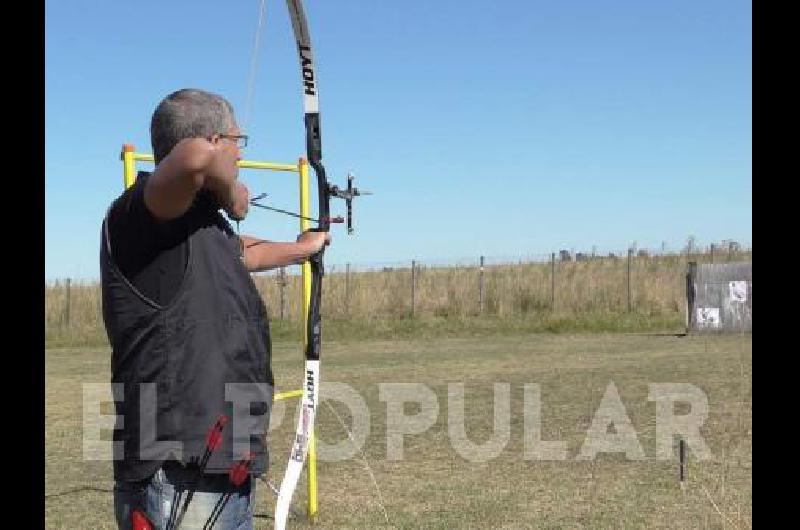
[230, 141]
[232, 138]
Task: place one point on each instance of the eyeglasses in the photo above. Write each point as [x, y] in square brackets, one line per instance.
[240, 139]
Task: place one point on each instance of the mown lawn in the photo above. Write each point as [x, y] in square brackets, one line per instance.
[432, 486]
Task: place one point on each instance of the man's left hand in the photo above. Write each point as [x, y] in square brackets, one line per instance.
[312, 242]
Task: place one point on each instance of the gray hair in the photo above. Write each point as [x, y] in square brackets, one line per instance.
[188, 113]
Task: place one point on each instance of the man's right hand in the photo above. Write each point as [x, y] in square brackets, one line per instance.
[193, 164]
[241, 202]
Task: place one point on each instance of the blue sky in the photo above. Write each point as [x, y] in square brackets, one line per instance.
[497, 128]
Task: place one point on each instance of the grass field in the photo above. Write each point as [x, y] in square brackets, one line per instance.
[434, 487]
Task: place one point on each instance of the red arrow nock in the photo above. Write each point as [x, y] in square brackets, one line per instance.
[140, 521]
[239, 472]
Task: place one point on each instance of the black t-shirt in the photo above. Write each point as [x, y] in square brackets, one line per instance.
[152, 254]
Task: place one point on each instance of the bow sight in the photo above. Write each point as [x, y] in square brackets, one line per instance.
[347, 194]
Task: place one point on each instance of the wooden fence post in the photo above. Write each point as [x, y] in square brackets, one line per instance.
[630, 301]
[67, 303]
[481, 288]
[282, 284]
[347, 289]
[413, 286]
[552, 281]
[691, 274]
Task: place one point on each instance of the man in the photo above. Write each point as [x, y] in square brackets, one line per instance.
[188, 329]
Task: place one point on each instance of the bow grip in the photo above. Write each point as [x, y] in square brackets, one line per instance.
[313, 140]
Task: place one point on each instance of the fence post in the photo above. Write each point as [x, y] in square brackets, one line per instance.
[630, 258]
[519, 284]
[691, 274]
[712, 252]
[282, 284]
[347, 289]
[331, 273]
[413, 286]
[66, 304]
[481, 288]
[552, 281]
[730, 251]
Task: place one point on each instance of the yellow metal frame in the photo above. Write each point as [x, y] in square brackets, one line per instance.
[129, 159]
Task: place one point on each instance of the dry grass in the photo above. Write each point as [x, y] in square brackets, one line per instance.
[433, 487]
[382, 300]
[658, 287]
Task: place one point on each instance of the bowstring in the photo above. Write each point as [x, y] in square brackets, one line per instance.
[251, 82]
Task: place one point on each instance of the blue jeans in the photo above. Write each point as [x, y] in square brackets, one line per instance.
[155, 497]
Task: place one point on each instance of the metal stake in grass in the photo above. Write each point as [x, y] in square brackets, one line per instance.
[682, 460]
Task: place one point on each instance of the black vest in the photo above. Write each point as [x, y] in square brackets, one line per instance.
[171, 364]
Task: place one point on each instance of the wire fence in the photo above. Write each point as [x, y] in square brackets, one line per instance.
[647, 282]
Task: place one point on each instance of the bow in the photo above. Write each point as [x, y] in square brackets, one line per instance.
[310, 398]
[311, 384]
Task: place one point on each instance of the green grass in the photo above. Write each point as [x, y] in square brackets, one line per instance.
[433, 487]
[429, 326]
